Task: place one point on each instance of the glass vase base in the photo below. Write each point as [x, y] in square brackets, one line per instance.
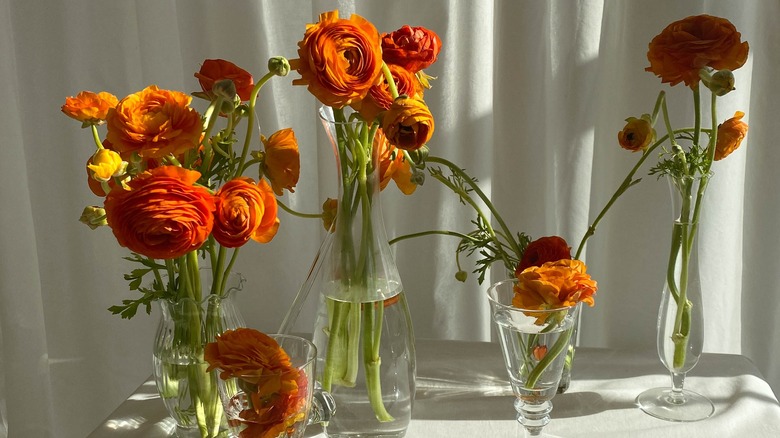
[664, 404]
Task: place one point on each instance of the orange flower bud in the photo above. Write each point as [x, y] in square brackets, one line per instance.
[282, 162]
[638, 134]
[329, 210]
[408, 124]
[730, 135]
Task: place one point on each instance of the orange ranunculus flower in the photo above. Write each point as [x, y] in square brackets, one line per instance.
[244, 210]
[393, 165]
[688, 45]
[162, 215]
[154, 123]
[408, 124]
[340, 60]
[214, 70]
[553, 285]
[379, 97]
[88, 107]
[244, 353]
[637, 134]
[730, 135]
[543, 250]
[413, 48]
[329, 211]
[282, 162]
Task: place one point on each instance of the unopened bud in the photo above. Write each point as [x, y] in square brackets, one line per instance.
[420, 154]
[461, 276]
[93, 217]
[279, 65]
[720, 83]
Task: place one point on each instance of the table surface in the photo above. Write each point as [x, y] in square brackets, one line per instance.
[463, 391]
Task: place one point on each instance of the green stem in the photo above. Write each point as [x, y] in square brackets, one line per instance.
[372, 332]
[431, 232]
[561, 344]
[96, 137]
[250, 123]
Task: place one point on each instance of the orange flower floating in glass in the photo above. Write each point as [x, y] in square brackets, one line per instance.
[154, 123]
[88, 107]
[543, 250]
[413, 48]
[339, 59]
[408, 124]
[638, 134]
[553, 285]
[245, 210]
[162, 215]
[688, 45]
[730, 135]
[214, 70]
[282, 162]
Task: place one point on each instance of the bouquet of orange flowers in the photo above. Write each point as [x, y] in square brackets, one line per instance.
[174, 193]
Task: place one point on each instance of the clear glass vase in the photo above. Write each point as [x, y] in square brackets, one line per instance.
[534, 344]
[190, 393]
[363, 329]
[681, 313]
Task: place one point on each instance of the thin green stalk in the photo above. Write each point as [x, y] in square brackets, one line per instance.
[250, 123]
[372, 331]
[96, 137]
[561, 344]
[431, 232]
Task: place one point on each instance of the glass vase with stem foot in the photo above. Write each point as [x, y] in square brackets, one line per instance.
[534, 344]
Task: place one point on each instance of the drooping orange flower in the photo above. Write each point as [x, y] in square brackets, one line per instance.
[730, 135]
[543, 250]
[408, 124]
[393, 165]
[282, 162]
[244, 210]
[562, 283]
[379, 97]
[154, 123]
[88, 107]
[688, 45]
[329, 211]
[638, 133]
[339, 59]
[413, 48]
[162, 215]
[245, 352]
[214, 70]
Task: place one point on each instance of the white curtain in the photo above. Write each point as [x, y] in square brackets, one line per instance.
[529, 98]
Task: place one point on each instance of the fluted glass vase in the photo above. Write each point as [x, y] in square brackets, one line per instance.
[681, 313]
[186, 325]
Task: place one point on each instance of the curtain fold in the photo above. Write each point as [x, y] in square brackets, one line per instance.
[529, 97]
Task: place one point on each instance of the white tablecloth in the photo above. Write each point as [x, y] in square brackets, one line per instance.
[463, 391]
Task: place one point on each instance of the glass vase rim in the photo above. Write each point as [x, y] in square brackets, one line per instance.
[325, 113]
[520, 309]
[229, 292]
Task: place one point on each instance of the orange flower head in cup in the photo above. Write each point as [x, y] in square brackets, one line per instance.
[245, 210]
[730, 135]
[214, 70]
[413, 48]
[553, 285]
[282, 162]
[408, 124]
[688, 45]
[339, 59]
[543, 250]
[154, 123]
[162, 215]
[88, 107]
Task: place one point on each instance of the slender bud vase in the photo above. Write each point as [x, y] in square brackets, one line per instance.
[363, 330]
[681, 314]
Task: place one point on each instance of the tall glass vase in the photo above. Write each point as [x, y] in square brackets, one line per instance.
[190, 393]
[681, 313]
[363, 329]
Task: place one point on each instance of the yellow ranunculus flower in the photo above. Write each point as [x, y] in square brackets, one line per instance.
[637, 134]
[106, 164]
